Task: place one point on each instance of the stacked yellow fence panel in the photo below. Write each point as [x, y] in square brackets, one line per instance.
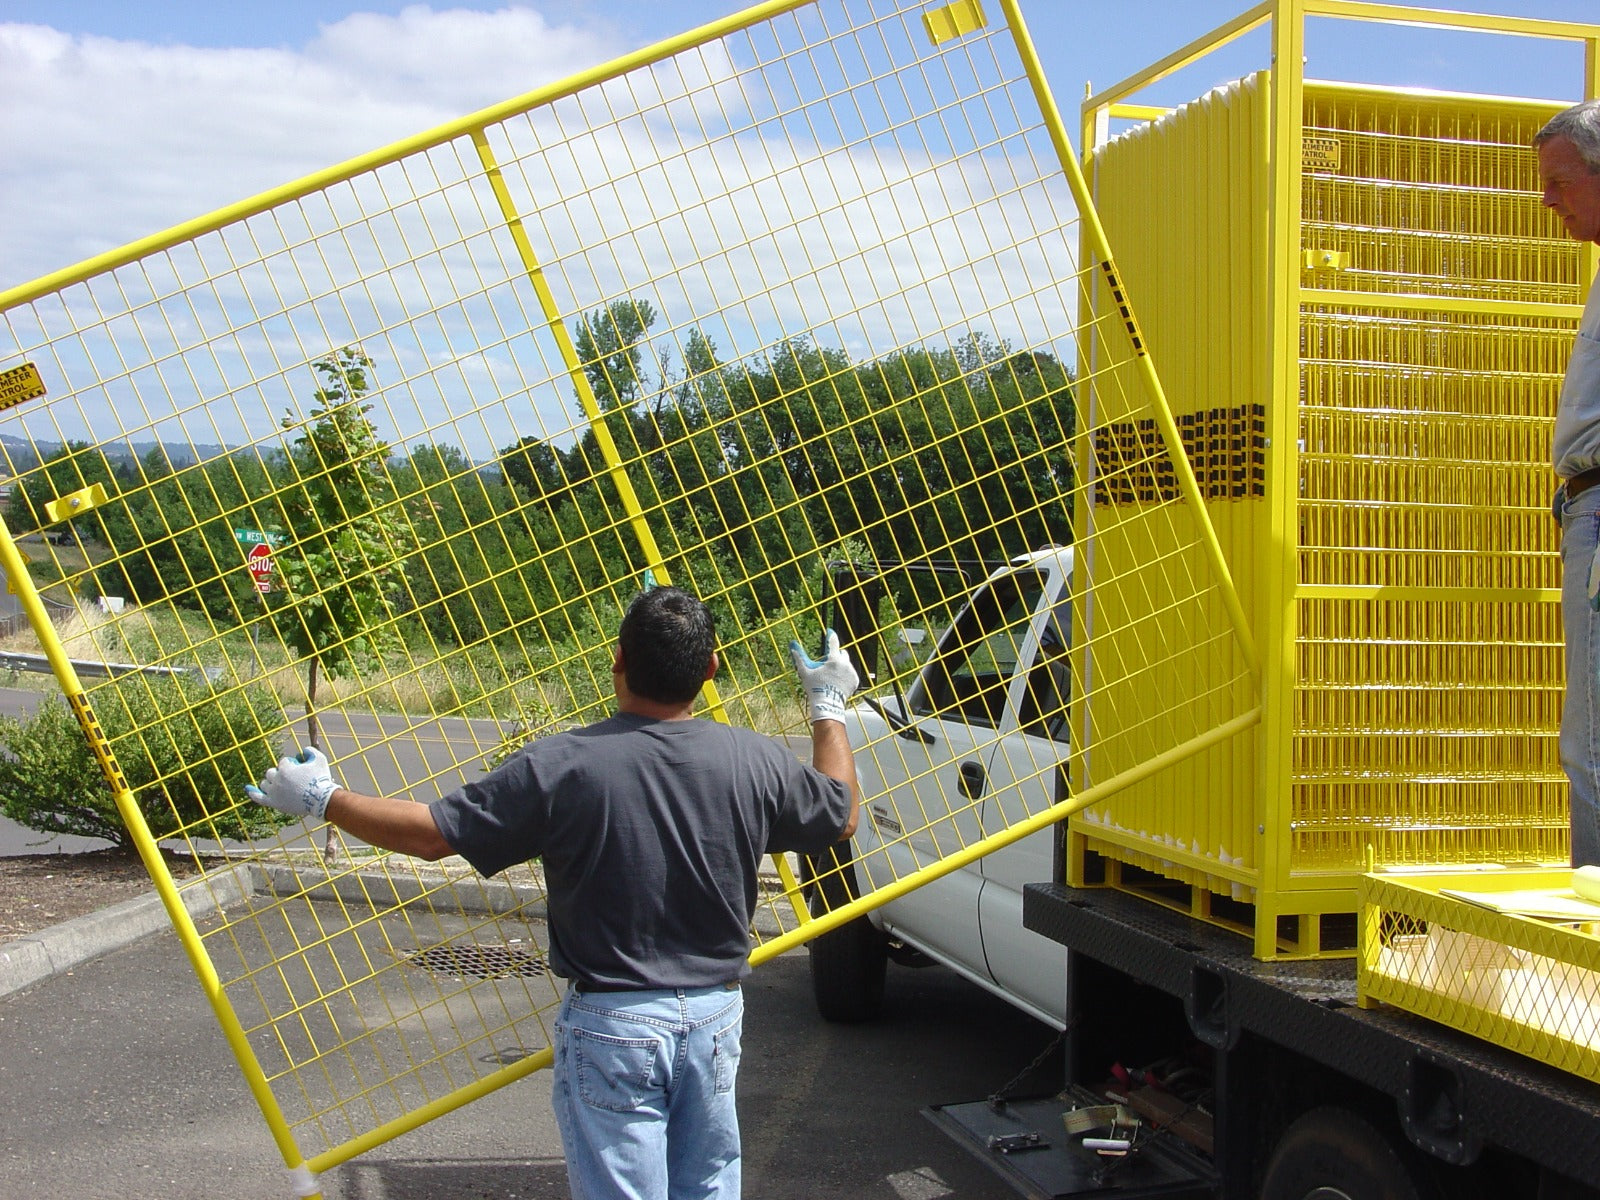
[377, 459]
[1428, 557]
[1365, 281]
[1175, 195]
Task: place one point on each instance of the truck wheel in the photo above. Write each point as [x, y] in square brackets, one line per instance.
[1332, 1154]
[848, 965]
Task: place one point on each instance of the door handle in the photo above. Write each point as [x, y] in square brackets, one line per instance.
[972, 779]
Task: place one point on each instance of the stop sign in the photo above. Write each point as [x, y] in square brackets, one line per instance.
[259, 560]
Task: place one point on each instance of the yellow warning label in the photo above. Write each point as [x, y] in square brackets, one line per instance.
[1320, 154]
[20, 384]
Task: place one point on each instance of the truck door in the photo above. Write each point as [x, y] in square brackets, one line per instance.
[1024, 775]
[957, 707]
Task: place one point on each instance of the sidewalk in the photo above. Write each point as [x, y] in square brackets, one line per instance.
[59, 948]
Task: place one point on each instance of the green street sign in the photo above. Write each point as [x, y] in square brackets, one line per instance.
[254, 537]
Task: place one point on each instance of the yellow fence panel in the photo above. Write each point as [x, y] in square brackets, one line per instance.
[376, 460]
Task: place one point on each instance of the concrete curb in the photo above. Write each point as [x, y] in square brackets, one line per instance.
[383, 890]
[61, 947]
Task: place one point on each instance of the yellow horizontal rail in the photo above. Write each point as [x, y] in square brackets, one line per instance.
[1413, 302]
[1433, 18]
[1354, 10]
[1375, 592]
[438, 1107]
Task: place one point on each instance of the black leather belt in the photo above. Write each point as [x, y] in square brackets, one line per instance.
[584, 985]
[1582, 482]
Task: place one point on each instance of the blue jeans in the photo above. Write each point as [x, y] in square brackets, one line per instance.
[1580, 714]
[643, 1093]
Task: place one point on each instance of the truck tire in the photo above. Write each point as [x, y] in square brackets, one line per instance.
[848, 965]
[1332, 1154]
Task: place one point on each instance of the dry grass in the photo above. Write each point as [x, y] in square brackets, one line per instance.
[422, 686]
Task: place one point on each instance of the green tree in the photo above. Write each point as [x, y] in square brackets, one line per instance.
[77, 465]
[470, 584]
[342, 569]
[533, 467]
[610, 343]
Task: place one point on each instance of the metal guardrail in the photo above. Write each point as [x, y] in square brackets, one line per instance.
[39, 664]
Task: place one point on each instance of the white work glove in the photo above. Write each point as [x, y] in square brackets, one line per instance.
[828, 684]
[297, 786]
[1594, 580]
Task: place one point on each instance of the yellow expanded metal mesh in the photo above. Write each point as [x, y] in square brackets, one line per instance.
[1508, 956]
[376, 460]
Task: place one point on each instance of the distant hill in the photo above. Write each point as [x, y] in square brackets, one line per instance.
[19, 455]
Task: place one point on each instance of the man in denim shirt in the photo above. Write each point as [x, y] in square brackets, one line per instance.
[1569, 168]
[650, 825]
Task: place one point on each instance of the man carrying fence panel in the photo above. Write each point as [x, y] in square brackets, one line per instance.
[650, 825]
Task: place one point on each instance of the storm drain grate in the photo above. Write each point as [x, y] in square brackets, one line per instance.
[479, 962]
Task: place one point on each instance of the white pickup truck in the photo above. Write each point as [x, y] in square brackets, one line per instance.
[974, 742]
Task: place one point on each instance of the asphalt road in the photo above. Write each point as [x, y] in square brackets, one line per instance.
[115, 1083]
[378, 755]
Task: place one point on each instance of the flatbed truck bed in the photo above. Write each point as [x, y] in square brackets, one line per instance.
[1294, 1070]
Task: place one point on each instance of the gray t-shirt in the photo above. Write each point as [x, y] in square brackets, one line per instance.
[651, 833]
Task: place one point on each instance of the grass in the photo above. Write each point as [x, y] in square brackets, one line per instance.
[469, 683]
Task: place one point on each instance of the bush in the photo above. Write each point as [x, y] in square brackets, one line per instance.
[185, 749]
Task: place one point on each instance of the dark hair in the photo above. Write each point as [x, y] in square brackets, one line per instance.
[667, 639]
[1580, 125]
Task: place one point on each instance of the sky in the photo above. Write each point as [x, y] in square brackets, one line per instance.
[122, 119]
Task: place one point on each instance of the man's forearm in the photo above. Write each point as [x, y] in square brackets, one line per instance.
[831, 754]
[388, 823]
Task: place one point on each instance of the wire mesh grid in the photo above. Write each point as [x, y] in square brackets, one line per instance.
[377, 461]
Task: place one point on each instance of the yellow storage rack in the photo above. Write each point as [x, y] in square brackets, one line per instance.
[1361, 313]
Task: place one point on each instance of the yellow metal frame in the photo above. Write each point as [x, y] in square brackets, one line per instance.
[1528, 984]
[1274, 887]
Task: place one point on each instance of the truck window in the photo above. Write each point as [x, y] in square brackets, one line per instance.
[969, 675]
[1044, 701]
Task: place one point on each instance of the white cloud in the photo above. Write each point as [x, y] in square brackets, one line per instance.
[108, 141]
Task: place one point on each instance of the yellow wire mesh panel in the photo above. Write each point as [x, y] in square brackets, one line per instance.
[377, 460]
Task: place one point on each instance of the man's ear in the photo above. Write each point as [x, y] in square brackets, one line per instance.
[617, 667]
[712, 668]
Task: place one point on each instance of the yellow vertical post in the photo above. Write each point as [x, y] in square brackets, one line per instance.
[580, 380]
[1279, 571]
[21, 583]
[608, 446]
